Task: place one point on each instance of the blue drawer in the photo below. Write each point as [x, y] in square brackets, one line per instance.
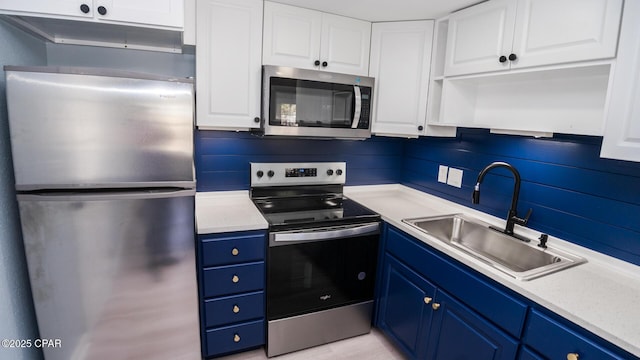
[225, 249]
[235, 338]
[233, 279]
[554, 340]
[234, 309]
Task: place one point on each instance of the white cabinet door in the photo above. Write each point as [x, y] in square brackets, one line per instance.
[345, 45]
[228, 69]
[553, 32]
[309, 39]
[165, 13]
[478, 36]
[152, 13]
[622, 131]
[50, 7]
[291, 36]
[400, 63]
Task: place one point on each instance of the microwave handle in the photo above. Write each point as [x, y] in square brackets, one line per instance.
[358, 107]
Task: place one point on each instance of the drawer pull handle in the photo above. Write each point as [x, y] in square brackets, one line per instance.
[572, 356]
[236, 309]
[427, 300]
[236, 338]
[235, 252]
[435, 306]
[235, 279]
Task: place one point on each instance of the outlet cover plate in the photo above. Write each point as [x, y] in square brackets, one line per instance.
[442, 174]
[455, 177]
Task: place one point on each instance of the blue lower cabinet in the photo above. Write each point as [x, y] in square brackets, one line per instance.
[235, 338]
[427, 323]
[459, 333]
[433, 307]
[404, 313]
[232, 301]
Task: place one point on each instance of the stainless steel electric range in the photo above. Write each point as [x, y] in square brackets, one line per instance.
[322, 255]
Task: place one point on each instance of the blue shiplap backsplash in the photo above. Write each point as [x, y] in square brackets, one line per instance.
[575, 194]
[222, 157]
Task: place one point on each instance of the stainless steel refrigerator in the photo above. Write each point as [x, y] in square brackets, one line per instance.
[103, 164]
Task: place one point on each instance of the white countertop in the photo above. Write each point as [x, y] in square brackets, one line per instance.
[227, 211]
[602, 295]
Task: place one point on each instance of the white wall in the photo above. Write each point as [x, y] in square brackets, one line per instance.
[17, 317]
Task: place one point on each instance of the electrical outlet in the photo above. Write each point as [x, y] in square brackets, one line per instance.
[455, 177]
[442, 174]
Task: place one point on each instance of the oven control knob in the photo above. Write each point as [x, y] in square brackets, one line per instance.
[270, 173]
[329, 172]
[260, 173]
[339, 172]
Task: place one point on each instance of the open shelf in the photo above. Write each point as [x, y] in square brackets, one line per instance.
[562, 100]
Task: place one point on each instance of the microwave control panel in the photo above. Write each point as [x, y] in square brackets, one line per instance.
[366, 106]
[279, 174]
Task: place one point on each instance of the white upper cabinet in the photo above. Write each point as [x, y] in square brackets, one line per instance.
[311, 39]
[622, 130]
[509, 34]
[228, 63]
[478, 36]
[169, 13]
[291, 36]
[73, 8]
[151, 13]
[400, 63]
[345, 44]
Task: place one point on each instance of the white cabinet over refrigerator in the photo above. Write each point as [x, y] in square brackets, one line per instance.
[158, 13]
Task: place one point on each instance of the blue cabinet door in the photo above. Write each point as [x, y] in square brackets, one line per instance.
[459, 333]
[404, 312]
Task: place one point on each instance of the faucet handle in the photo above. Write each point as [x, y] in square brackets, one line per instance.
[526, 217]
[525, 220]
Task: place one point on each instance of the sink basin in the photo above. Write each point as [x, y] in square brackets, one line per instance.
[517, 258]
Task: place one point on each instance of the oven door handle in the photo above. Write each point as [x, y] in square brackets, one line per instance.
[326, 234]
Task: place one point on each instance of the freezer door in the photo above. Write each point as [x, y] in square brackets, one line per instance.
[91, 131]
[114, 277]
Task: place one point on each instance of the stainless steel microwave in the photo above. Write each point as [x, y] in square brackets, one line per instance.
[312, 103]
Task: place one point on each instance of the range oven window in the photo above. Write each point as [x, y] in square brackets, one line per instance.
[309, 103]
[313, 276]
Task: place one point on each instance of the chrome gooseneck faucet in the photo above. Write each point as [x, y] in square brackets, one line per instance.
[512, 216]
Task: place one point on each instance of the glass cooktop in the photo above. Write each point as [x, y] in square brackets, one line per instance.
[313, 211]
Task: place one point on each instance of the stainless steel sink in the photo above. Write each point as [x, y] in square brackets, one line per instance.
[522, 260]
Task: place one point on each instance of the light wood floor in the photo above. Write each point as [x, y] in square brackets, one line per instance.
[372, 346]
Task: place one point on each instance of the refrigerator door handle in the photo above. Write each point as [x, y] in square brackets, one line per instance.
[106, 195]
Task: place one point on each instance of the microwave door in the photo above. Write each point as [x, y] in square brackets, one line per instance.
[357, 108]
[342, 112]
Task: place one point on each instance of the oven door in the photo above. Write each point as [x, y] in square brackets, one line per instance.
[318, 269]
